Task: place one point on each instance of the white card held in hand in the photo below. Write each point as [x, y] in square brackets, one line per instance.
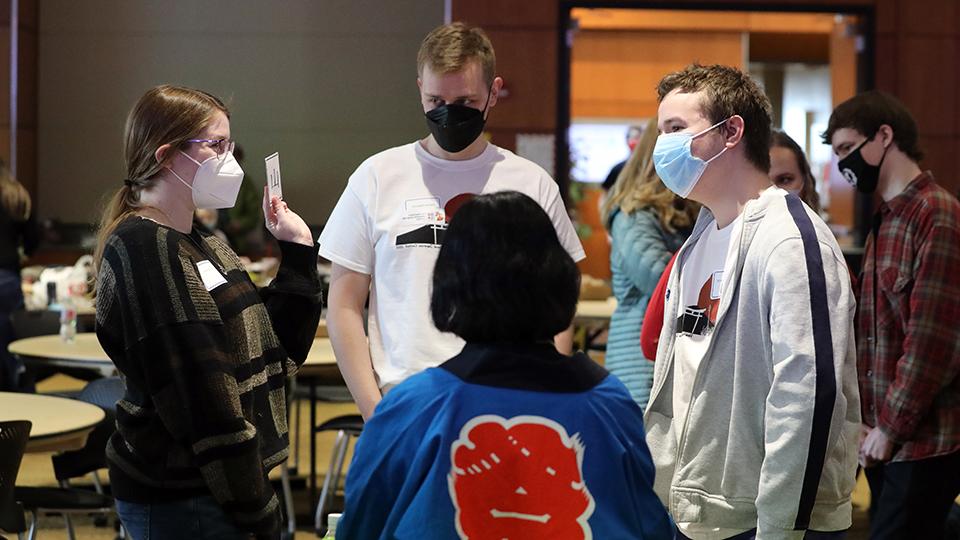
[273, 176]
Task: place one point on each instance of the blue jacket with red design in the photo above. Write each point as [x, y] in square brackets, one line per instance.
[505, 441]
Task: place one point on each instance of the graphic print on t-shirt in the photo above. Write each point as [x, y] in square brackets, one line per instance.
[437, 220]
[700, 318]
[519, 478]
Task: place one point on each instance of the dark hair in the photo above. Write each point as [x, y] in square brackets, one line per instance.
[867, 111]
[808, 193]
[502, 274]
[728, 92]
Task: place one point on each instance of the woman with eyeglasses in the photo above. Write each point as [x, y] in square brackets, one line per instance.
[203, 353]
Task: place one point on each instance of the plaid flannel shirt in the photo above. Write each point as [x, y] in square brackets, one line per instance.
[909, 322]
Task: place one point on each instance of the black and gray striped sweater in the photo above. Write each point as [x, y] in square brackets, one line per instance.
[205, 408]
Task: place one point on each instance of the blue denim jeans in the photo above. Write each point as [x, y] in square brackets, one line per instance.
[200, 518]
[11, 299]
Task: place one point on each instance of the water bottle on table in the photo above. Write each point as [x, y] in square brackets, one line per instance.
[68, 320]
[332, 520]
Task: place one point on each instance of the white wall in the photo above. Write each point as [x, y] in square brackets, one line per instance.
[806, 88]
[325, 82]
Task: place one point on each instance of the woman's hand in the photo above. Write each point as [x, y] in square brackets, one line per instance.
[284, 224]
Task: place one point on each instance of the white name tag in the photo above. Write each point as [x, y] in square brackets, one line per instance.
[716, 285]
[212, 278]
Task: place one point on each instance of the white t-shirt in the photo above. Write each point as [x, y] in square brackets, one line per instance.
[701, 279]
[389, 224]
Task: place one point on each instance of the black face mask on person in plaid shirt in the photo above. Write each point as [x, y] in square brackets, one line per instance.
[860, 173]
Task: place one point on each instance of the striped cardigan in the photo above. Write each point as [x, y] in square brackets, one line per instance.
[205, 406]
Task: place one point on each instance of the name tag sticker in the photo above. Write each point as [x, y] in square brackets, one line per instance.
[716, 285]
[212, 278]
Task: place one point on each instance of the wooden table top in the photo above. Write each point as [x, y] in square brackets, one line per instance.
[85, 348]
[596, 310]
[85, 351]
[59, 424]
[321, 353]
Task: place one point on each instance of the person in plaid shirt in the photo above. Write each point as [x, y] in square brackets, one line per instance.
[908, 324]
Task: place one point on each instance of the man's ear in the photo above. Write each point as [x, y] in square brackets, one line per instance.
[162, 153]
[886, 135]
[733, 130]
[495, 91]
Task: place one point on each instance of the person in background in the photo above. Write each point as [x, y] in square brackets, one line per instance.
[754, 411]
[790, 170]
[908, 322]
[633, 137]
[207, 220]
[508, 438]
[19, 236]
[243, 223]
[647, 224]
[387, 228]
[204, 354]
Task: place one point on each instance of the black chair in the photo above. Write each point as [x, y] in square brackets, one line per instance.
[347, 427]
[13, 441]
[77, 463]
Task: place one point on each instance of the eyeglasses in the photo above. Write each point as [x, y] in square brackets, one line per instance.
[221, 146]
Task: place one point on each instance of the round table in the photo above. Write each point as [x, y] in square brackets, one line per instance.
[83, 352]
[320, 359]
[59, 424]
[595, 310]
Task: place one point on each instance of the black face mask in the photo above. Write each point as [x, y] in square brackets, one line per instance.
[860, 173]
[455, 127]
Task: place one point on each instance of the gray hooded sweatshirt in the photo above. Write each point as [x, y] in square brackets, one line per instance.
[771, 432]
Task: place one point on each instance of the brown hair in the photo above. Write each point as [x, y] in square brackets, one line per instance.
[808, 193]
[14, 198]
[449, 48]
[728, 92]
[639, 187]
[867, 111]
[164, 115]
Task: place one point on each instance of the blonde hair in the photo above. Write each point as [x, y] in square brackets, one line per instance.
[14, 198]
[638, 187]
[164, 115]
[449, 48]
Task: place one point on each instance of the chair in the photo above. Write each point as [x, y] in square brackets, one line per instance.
[76, 463]
[347, 427]
[13, 442]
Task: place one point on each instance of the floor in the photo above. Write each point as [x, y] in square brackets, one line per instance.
[37, 470]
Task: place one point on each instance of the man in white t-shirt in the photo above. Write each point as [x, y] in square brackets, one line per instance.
[384, 235]
[754, 414]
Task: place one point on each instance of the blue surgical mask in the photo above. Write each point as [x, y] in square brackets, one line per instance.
[679, 169]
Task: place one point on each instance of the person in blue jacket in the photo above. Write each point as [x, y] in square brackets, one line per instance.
[647, 224]
[509, 438]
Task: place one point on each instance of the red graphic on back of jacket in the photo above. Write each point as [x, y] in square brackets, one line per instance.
[519, 479]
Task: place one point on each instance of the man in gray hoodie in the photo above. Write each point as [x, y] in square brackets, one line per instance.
[754, 415]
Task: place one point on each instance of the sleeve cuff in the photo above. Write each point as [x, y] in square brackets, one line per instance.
[905, 426]
[299, 258]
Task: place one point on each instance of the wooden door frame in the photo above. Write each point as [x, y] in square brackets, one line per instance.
[866, 71]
